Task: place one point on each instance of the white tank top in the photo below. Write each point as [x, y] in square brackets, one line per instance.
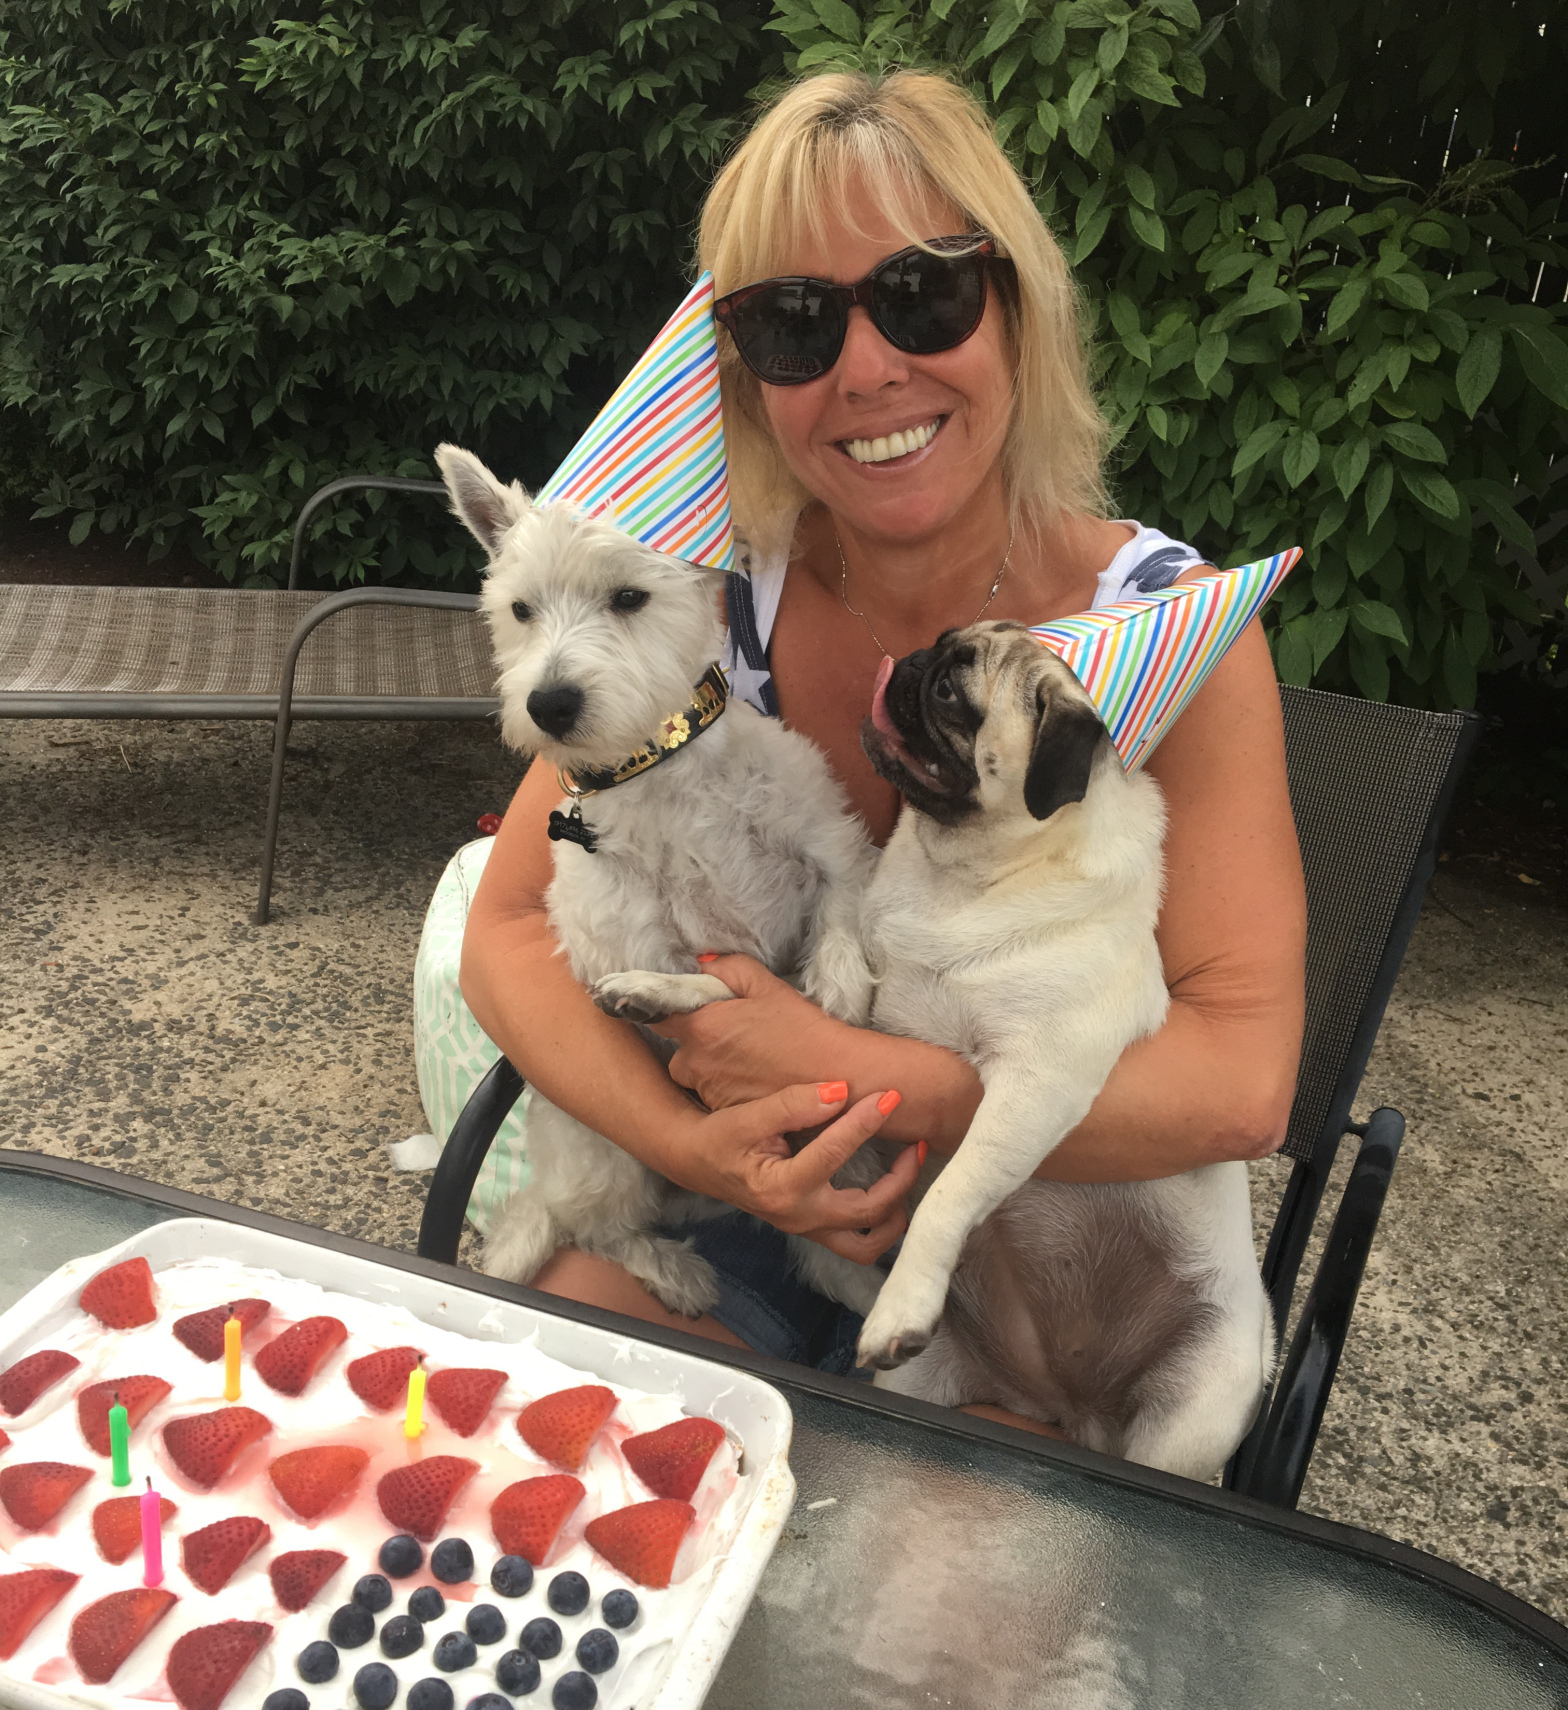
[1150, 560]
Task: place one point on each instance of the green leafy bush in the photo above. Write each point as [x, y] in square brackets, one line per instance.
[1296, 347]
[246, 247]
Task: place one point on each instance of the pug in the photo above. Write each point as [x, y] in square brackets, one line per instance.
[1012, 920]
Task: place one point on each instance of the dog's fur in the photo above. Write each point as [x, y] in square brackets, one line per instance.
[741, 841]
[1011, 919]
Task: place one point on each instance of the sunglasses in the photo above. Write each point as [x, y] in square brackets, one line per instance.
[790, 331]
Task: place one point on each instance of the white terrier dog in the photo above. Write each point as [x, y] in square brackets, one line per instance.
[714, 828]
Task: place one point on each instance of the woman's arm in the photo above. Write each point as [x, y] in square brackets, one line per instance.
[1216, 1081]
[523, 994]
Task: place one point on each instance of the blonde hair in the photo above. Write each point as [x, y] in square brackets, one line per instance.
[904, 135]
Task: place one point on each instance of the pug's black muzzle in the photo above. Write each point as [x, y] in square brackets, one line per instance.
[931, 762]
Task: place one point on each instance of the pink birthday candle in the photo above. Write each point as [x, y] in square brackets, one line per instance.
[152, 1536]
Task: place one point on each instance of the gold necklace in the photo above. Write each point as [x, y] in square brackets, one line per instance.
[843, 590]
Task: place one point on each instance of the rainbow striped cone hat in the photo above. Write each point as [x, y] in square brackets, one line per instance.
[1142, 660]
[652, 462]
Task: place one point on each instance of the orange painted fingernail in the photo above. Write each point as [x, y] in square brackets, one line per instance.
[833, 1092]
[920, 1154]
[709, 956]
[889, 1102]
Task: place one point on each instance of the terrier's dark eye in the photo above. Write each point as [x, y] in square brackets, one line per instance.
[521, 611]
[628, 600]
[942, 689]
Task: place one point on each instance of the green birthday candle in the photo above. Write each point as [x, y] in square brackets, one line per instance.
[119, 1444]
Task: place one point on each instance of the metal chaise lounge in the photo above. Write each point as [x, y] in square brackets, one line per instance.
[390, 653]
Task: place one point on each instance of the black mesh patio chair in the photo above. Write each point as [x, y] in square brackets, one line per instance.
[1371, 787]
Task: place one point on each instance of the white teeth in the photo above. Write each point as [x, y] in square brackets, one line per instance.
[884, 449]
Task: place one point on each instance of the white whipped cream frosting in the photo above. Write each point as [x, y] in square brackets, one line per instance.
[330, 1412]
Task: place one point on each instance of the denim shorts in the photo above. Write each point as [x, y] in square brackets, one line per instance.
[764, 1301]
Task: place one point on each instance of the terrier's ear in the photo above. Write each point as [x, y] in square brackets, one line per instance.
[1066, 738]
[485, 507]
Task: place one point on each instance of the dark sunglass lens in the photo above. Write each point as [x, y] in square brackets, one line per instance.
[925, 303]
[788, 333]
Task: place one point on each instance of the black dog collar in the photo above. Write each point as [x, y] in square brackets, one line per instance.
[708, 700]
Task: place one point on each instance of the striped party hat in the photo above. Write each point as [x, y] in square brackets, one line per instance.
[652, 462]
[1142, 660]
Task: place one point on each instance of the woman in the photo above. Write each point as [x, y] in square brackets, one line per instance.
[890, 493]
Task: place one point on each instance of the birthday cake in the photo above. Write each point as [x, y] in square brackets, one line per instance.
[385, 1513]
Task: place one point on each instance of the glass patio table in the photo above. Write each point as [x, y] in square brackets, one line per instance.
[935, 1560]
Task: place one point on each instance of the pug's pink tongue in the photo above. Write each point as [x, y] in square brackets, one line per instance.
[879, 714]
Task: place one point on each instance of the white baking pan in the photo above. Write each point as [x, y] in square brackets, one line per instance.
[754, 1412]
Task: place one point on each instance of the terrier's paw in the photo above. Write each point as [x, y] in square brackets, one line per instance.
[895, 1330]
[651, 998]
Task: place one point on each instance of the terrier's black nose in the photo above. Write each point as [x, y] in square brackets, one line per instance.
[555, 710]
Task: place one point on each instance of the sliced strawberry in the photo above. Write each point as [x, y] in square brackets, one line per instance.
[289, 1361]
[5, 1441]
[641, 1541]
[310, 1480]
[22, 1384]
[137, 1395]
[202, 1332]
[117, 1525]
[416, 1498]
[672, 1460]
[561, 1427]
[204, 1664]
[463, 1395]
[121, 1296]
[380, 1380]
[25, 1598]
[526, 1516]
[211, 1555]
[206, 1445]
[33, 1493]
[297, 1575]
[106, 1632]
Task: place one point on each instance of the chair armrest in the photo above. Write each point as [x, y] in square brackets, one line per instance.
[348, 483]
[458, 1168]
[1278, 1466]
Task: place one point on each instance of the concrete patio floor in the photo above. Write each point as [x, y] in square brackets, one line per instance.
[148, 1026]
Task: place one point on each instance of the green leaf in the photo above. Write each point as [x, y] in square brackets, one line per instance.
[1431, 490]
[1089, 236]
[1328, 630]
[841, 19]
[182, 304]
[81, 527]
[1259, 443]
[1410, 439]
[1112, 48]
[1347, 302]
[1083, 86]
[1140, 185]
[1406, 290]
[1350, 464]
[1478, 367]
[1149, 227]
[1380, 485]
[1157, 419]
[1374, 618]
[1294, 657]
[1301, 456]
[1544, 353]
[1210, 359]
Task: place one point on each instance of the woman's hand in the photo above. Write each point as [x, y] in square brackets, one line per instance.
[767, 1037]
[740, 1155]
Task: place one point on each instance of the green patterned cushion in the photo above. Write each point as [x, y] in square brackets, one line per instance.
[451, 1051]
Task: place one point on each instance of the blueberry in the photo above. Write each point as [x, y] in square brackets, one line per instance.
[568, 1594]
[286, 1698]
[542, 1637]
[575, 1691]
[619, 1608]
[351, 1627]
[454, 1651]
[512, 1576]
[375, 1686]
[489, 1701]
[427, 1604]
[517, 1673]
[318, 1662]
[401, 1636]
[451, 1561]
[430, 1694]
[372, 1593]
[401, 1556]
[597, 1650]
[486, 1623]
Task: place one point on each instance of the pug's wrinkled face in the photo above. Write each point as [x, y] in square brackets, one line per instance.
[987, 721]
